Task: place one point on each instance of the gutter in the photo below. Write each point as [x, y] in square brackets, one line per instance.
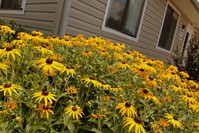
[195, 4]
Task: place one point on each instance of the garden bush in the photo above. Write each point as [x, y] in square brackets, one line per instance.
[85, 85]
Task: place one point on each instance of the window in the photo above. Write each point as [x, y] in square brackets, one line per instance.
[168, 29]
[124, 16]
[12, 6]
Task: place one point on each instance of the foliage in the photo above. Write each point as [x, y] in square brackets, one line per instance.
[90, 85]
[188, 60]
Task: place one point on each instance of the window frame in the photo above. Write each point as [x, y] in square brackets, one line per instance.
[175, 31]
[14, 11]
[107, 29]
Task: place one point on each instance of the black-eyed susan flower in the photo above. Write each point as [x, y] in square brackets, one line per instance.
[116, 89]
[146, 93]
[10, 104]
[45, 109]
[87, 53]
[11, 52]
[126, 109]
[49, 66]
[123, 65]
[69, 71]
[195, 107]
[4, 65]
[98, 115]
[43, 49]
[19, 43]
[105, 86]
[18, 119]
[188, 99]
[71, 90]
[162, 122]
[106, 98]
[6, 29]
[150, 81]
[37, 33]
[183, 74]
[175, 88]
[74, 111]
[118, 56]
[44, 95]
[156, 127]
[92, 81]
[135, 123]
[173, 121]
[8, 88]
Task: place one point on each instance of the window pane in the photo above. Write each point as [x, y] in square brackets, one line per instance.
[168, 29]
[133, 16]
[11, 4]
[115, 14]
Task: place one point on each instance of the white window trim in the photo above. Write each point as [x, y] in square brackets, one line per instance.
[23, 5]
[120, 33]
[172, 43]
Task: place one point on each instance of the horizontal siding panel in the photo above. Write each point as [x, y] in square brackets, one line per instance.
[157, 11]
[31, 23]
[103, 1]
[41, 7]
[87, 9]
[86, 17]
[33, 16]
[95, 4]
[40, 1]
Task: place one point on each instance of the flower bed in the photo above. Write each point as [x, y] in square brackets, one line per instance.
[52, 84]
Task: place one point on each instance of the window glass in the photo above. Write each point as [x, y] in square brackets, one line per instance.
[11, 4]
[168, 29]
[125, 16]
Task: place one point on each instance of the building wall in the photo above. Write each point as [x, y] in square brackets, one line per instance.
[86, 18]
[42, 15]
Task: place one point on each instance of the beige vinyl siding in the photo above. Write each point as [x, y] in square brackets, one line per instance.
[42, 15]
[87, 17]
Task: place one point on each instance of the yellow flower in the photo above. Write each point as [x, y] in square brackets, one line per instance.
[37, 33]
[49, 66]
[118, 56]
[92, 81]
[175, 87]
[145, 93]
[123, 65]
[11, 105]
[8, 88]
[106, 98]
[87, 53]
[188, 99]
[162, 122]
[69, 71]
[116, 89]
[98, 115]
[71, 90]
[173, 120]
[157, 128]
[43, 49]
[151, 82]
[6, 29]
[135, 123]
[74, 111]
[126, 109]
[184, 74]
[105, 86]
[4, 65]
[10, 52]
[44, 95]
[19, 42]
[45, 109]
[18, 119]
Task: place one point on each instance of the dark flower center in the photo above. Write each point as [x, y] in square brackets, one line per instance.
[173, 73]
[145, 91]
[137, 120]
[1, 47]
[67, 67]
[149, 64]
[104, 83]
[128, 104]
[123, 62]
[175, 118]
[142, 70]
[189, 96]
[45, 92]
[176, 85]
[7, 85]
[151, 78]
[9, 49]
[86, 51]
[91, 78]
[74, 109]
[49, 61]
[128, 52]
[45, 107]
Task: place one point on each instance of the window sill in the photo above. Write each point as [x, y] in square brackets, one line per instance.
[14, 11]
[119, 33]
[164, 50]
